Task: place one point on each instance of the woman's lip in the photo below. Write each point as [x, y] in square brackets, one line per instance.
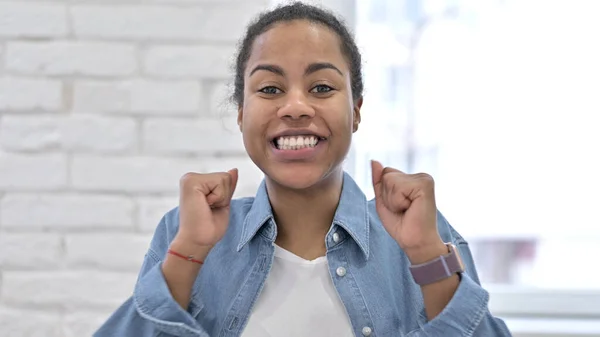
[301, 154]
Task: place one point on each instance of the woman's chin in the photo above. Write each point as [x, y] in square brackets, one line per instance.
[297, 179]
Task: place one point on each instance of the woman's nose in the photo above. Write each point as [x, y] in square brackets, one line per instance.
[296, 106]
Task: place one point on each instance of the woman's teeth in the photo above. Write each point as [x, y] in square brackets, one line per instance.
[296, 142]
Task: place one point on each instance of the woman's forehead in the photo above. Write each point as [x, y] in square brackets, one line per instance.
[297, 41]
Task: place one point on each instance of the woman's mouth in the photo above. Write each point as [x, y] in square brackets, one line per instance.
[296, 142]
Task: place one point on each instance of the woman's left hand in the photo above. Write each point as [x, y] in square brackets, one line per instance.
[406, 206]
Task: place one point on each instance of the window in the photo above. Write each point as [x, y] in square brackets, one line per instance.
[499, 101]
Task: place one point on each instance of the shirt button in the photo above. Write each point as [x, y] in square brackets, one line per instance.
[336, 237]
[341, 271]
[366, 331]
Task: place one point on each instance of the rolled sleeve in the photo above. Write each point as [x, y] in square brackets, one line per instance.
[462, 315]
[154, 302]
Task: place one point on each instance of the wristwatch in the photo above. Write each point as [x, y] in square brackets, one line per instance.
[439, 268]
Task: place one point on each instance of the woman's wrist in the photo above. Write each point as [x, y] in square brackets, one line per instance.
[182, 246]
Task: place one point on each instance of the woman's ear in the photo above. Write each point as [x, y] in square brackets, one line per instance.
[239, 118]
[356, 114]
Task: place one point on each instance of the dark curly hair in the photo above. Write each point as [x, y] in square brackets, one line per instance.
[291, 12]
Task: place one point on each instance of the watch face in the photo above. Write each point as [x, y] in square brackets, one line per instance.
[454, 253]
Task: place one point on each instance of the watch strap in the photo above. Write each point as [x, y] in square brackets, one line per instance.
[439, 268]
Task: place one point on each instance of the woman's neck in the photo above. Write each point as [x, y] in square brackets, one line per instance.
[304, 217]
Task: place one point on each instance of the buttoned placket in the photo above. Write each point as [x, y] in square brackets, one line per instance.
[345, 284]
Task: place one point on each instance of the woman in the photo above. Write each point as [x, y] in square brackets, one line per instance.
[309, 255]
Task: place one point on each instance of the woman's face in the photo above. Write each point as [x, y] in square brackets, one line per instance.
[298, 114]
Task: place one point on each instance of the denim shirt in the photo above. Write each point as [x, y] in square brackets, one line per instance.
[377, 289]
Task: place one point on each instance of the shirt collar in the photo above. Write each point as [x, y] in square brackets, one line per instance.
[351, 214]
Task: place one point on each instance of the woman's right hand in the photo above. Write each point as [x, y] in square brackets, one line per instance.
[204, 201]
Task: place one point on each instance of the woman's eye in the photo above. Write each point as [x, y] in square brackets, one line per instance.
[321, 89]
[270, 90]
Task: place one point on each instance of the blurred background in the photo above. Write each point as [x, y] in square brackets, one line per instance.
[104, 104]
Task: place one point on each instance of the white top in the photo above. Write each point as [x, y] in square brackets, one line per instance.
[298, 300]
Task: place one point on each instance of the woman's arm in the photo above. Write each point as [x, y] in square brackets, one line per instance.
[458, 306]
[161, 298]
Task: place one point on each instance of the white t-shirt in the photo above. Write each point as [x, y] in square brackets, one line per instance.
[298, 299]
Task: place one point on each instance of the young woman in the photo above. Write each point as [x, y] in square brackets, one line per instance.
[308, 255]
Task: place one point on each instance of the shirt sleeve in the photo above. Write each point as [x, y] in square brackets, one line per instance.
[152, 308]
[467, 313]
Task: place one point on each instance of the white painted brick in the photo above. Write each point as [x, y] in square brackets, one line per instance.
[75, 133]
[250, 176]
[34, 251]
[65, 211]
[130, 174]
[138, 96]
[18, 19]
[152, 209]
[257, 3]
[32, 172]
[71, 58]
[30, 132]
[138, 22]
[99, 134]
[162, 22]
[190, 62]
[69, 289]
[1, 57]
[29, 323]
[220, 105]
[120, 251]
[30, 94]
[204, 136]
[81, 324]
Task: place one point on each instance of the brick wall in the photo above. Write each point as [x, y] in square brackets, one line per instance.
[103, 106]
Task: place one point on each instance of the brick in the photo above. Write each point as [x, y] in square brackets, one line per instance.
[138, 22]
[71, 58]
[67, 289]
[30, 323]
[22, 133]
[1, 58]
[152, 209]
[164, 136]
[99, 134]
[250, 176]
[158, 22]
[189, 62]
[126, 251]
[30, 94]
[257, 3]
[84, 323]
[130, 174]
[32, 171]
[67, 211]
[138, 96]
[19, 19]
[73, 133]
[33, 251]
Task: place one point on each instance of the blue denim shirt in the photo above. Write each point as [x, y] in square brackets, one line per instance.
[377, 290]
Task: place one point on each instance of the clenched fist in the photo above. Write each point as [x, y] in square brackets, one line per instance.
[204, 207]
[406, 206]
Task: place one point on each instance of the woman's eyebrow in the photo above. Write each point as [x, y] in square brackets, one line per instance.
[268, 67]
[311, 68]
[314, 67]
